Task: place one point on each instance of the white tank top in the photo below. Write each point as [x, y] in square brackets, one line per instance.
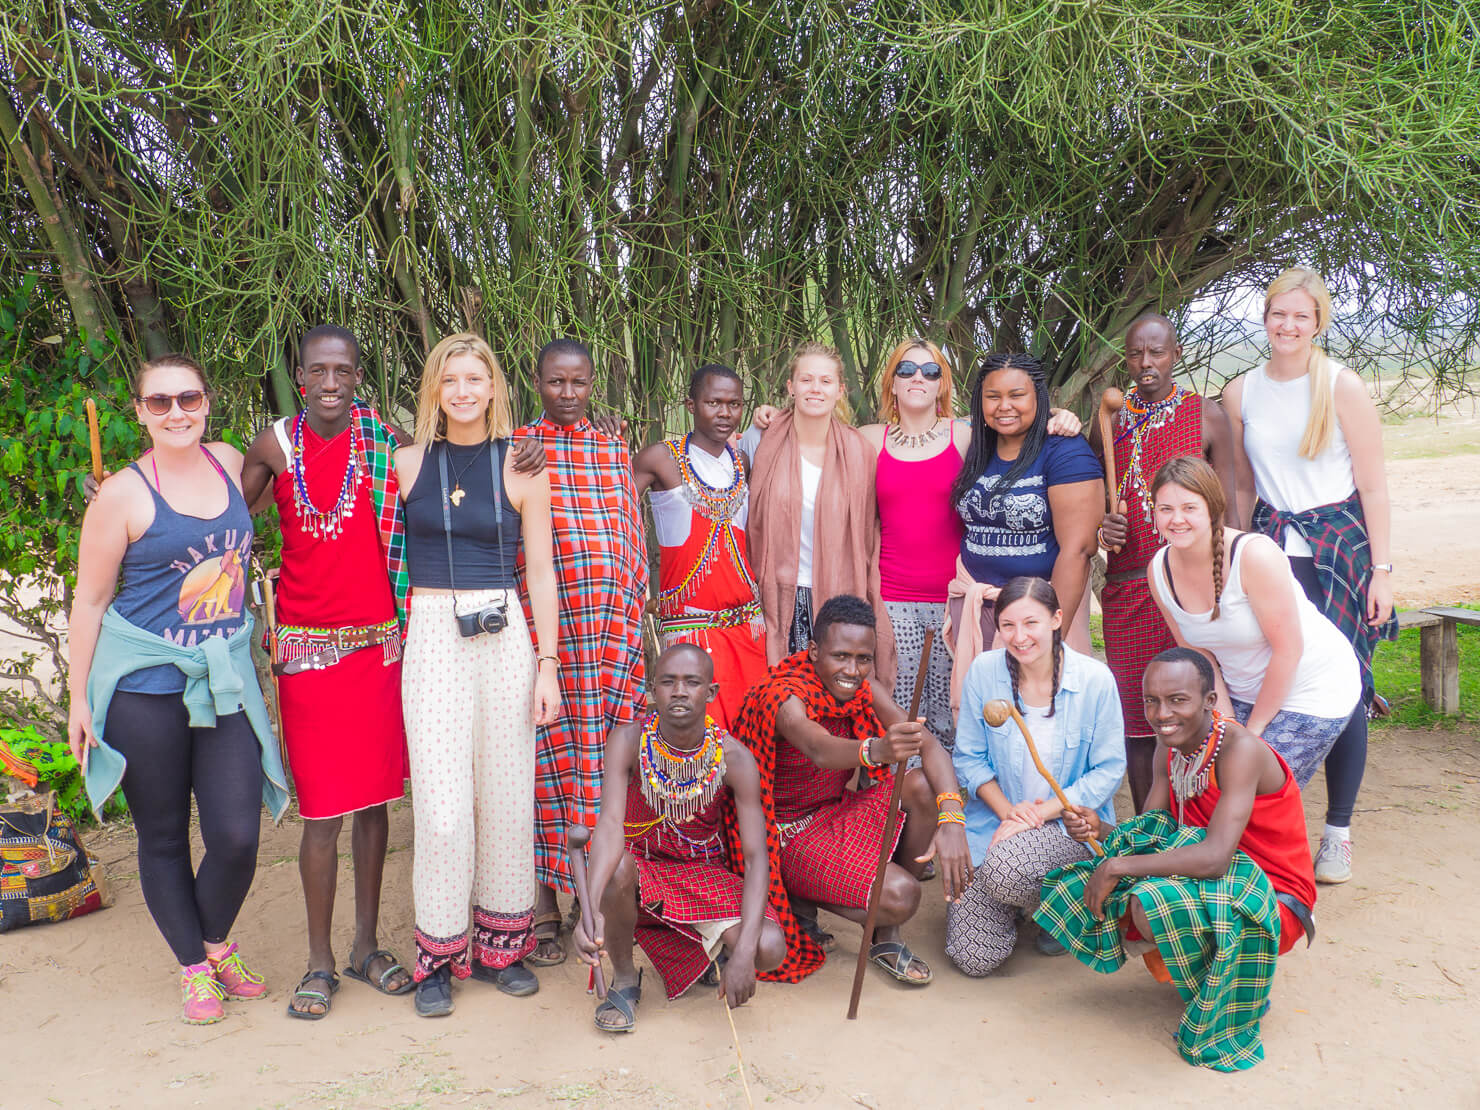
[1327, 681]
[671, 515]
[811, 479]
[1274, 415]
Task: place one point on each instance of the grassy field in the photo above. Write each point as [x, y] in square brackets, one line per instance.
[1395, 671]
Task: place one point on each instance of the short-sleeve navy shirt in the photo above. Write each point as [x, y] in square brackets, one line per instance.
[1009, 532]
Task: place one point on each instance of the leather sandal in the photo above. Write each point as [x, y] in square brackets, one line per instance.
[315, 996]
[895, 957]
[621, 1001]
[549, 940]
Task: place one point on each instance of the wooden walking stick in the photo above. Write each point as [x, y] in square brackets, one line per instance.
[269, 609]
[1111, 402]
[996, 714]
[94, 444]
[576, 838]
[888, 842]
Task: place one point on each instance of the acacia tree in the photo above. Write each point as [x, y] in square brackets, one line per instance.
[721, 179]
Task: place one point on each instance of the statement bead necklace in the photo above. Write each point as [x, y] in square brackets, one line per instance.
[1190, 774]
[678, 784]
[325, 524]
[918, 439]
[711, 502]
[1141, 419]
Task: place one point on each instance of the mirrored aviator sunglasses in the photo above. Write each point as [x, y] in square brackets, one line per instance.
[160, 403]
[930, 371]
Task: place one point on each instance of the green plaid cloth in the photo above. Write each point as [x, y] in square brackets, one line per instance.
[1219, 937]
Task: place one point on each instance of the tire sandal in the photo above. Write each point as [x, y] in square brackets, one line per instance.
[548, 941]
[362, 973]
[621, 1001]
[895, 957]
[820, 936]
[313, 995]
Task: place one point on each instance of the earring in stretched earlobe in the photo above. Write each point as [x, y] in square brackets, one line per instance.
[303, 392]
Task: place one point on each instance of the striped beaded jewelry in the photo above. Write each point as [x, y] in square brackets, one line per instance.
[325, 524]
[1142, 419]
[1190, 774]
[678, 784]
[709, 501]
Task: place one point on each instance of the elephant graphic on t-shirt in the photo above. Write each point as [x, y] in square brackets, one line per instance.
[1022, 512]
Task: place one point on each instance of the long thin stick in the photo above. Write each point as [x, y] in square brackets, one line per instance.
[94, 444]
[735, 1036]
[1111, 402]
[888, 842]
[269, 607]
[576, 837]
[995, 713]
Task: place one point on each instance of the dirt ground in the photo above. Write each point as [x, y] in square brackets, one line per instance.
[1380, 1011]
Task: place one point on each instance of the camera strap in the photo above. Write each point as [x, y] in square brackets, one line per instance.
[498, 510]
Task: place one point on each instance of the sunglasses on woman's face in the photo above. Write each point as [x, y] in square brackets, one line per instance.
[160, 403]
[930, 371]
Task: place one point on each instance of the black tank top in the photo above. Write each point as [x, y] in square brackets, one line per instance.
[476, 539]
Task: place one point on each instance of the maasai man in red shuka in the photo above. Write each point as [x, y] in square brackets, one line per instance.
[811, 725]
[1159, 421]
[602, 578]
[673, 783]
[698, 488]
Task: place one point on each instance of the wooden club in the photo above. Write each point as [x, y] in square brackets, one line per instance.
[576, 837]
[887, 843]
[996, 713]
[1111, 402]
[93, 442]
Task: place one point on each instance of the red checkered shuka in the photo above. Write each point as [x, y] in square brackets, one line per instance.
[684, 878]
[755, 727]
[602, 580]
[1134, 628]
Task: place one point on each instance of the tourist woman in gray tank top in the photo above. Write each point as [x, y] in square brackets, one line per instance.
[163, 693]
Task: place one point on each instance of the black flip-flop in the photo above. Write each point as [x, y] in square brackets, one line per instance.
[899, 965]
[303, 990]
[362, 973]
[624, 1001]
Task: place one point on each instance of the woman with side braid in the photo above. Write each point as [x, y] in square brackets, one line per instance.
[1013, 818]
[1287, 673]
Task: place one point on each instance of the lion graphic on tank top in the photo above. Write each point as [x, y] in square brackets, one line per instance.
[214, 590]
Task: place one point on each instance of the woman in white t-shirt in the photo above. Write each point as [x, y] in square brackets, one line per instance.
[1288, 673]
[1308, 454]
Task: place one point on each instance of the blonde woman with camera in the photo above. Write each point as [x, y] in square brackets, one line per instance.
[474, 686]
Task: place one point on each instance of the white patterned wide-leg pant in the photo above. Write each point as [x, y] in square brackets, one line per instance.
[468, 703]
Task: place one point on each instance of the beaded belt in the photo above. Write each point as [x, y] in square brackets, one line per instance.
[787, 831]
[719, 618]
[312, 649]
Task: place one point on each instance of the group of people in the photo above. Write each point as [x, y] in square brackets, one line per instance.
[745, 782]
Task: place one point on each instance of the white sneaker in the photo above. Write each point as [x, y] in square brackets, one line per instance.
[1333, 860]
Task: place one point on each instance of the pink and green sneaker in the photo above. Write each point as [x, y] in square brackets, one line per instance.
[202, 995]
[234, 977]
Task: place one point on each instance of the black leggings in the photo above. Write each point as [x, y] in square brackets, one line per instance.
[1347, 760]
[166, 760]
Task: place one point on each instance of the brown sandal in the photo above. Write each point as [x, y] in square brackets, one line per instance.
[549, 951]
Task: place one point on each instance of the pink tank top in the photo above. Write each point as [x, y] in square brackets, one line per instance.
[920, 531]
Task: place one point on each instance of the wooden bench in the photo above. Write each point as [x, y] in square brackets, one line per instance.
[1438, 652]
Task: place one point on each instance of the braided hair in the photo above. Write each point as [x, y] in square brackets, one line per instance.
[1198, 478]
[1039, 590]
[983, 447]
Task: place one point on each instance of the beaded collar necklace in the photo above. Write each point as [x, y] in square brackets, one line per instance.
[325, 524]
[711, 502]
[678, 784]
[918, 439]
[1190, 774]
[1141, 419]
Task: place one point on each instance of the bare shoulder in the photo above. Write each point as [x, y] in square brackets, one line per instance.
[228, 456]
[874, 433]
[524, 488]
[1351, 390]
[621, 745]
[1232, 392]
[266, 449]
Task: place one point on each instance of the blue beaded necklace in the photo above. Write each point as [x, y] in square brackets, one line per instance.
[325, 524]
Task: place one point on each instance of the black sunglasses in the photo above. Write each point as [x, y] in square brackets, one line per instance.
[160, 403]
[930, 371]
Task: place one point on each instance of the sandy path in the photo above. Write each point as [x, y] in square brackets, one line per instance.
[1380, 1011]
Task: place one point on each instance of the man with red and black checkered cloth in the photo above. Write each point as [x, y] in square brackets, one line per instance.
[812, 724]
[674, 785]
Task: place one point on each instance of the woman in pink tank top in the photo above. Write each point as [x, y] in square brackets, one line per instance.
[920, 446]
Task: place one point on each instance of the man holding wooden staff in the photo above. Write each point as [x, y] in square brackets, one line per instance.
[673, 784]
[812, 724]
[1159, 420]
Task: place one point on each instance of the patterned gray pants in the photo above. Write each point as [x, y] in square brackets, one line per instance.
[981, 926]
[910, 620]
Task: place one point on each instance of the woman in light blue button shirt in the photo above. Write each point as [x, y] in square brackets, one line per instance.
[1012, 816]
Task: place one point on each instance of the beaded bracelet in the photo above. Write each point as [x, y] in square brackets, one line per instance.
[948, 796]
[951, 817]
[863, 759]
